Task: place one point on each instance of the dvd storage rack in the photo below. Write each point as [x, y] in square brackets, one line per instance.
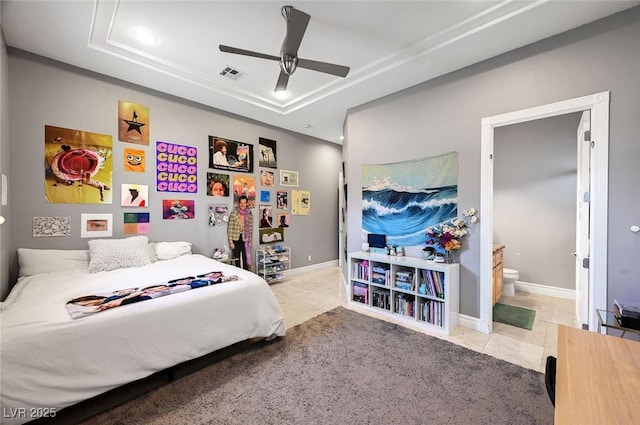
[273, 262]
[411, 289]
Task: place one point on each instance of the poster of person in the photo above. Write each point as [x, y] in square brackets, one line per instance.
[217, 184]
[282, 199]
[284, 220]
[176, 168]
[178, 209]
[134, 160]
[133, 123]
[78, 166]
[226, 154]
[267, 178]
[244, 185]
[300, 202]
[266, 216]
[134, 195]
[267, 153]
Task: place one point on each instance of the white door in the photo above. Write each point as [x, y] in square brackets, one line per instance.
[582, 219]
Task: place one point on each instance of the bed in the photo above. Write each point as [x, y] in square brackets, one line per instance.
[50, 361]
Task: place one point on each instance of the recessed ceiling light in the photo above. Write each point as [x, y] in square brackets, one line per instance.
[282, 94]
[145, 36]
[341, 137]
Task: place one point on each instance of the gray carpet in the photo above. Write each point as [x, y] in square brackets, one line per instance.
[343, 367]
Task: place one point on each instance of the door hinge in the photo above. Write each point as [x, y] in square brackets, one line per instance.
[587, 135]
[585, 263]
[586, 197]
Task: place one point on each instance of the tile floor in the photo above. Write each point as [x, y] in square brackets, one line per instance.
[305, 295]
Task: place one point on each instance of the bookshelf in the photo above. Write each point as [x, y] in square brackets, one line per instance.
[411, 289]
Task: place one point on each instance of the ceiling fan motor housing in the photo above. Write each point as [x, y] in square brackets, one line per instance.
[288, 63]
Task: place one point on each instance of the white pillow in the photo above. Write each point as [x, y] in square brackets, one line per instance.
[111, 254]
[170, 250]
[36, 261]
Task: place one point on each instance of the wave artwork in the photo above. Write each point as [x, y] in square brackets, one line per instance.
[401, 200]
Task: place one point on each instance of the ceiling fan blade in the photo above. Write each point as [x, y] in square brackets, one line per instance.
[327, 68]
[283, 79]
[297, 22]
[235, 50]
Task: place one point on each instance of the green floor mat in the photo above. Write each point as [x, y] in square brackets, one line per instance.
[514, 316]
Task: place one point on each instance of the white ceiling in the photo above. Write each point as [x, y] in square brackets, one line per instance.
[388, 45]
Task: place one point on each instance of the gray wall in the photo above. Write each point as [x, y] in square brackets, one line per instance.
[444, 115]
[43, 92]
[534, 198]
[5, 229]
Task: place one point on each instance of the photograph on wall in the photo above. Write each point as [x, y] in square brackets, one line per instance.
[267, 178]
[244, 185]
[288, 178]
[134, 160]
[218, 214]
[178, 209]
[176, 168]
[133, 123]
[78, 166]
[265, 196]
[284, 220]
[45, 227]
[401, 200]
[267, 152]
[136, 223]
[275, 234]
[266, 216]
[134, 195]
[226, 154]
[300, 202]
[217, 184]
[282, 199]
[96, 225]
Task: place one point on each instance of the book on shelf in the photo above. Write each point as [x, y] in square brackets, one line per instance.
[361, 292]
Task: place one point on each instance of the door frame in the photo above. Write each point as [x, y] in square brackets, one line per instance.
[598, 104]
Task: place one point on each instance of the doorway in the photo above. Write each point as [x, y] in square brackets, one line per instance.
[598, 106]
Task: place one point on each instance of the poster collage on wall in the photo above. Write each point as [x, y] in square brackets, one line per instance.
[79, 170]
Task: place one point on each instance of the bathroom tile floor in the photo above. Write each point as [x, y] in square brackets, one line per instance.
[306, 294]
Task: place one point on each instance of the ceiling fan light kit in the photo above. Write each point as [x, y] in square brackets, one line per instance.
[297, 22]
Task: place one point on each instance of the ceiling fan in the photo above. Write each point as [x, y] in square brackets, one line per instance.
[297, 22]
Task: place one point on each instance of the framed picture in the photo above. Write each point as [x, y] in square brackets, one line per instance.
[96, 225]
[225, 154]
[178, 209]
[288, 178]
[268, 156]
[217, 184]
[134, 195]
[275, 234]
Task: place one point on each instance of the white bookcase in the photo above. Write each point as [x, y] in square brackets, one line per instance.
[411, 289]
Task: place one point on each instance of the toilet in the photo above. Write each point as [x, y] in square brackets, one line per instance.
[509, 277]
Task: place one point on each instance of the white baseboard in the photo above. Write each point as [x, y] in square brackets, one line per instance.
[551, 291]
[313, 267]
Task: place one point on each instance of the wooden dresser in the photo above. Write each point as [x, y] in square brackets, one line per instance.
[498, 267]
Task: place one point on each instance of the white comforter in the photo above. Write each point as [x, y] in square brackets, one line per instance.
[49, 360]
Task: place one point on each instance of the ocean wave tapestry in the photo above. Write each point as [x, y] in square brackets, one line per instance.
[401, 200]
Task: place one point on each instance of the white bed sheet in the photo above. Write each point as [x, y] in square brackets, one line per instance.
[49, 360]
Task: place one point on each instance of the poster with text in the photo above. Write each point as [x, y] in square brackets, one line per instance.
[300, 202]
[78, 166]
[176, 168]
[133, 123]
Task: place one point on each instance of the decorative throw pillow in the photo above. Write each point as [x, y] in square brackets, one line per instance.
[111, 254]
[36, 261]
[170, 250]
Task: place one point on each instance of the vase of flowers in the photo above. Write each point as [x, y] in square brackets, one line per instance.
[448, 235]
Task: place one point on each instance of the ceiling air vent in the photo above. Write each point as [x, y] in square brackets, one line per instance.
[231, 73]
